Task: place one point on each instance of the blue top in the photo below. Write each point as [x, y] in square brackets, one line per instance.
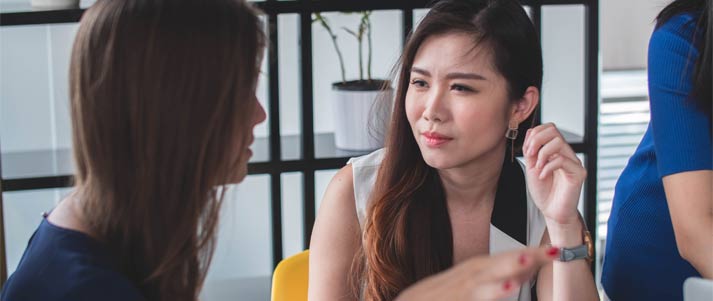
[642, 261]
[62, 264]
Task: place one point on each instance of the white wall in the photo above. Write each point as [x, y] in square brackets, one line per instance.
[625, 30]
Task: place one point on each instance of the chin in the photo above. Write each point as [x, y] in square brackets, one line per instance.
[439, 160]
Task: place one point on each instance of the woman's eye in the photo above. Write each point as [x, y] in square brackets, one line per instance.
[461, 88]
[418, 83]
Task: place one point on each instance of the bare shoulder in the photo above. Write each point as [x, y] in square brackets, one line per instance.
[335, 239]
[338, 205]
[342, 185]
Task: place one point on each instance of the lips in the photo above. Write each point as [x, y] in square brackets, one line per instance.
[434, 139]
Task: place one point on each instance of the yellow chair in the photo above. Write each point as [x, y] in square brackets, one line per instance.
[289, 281]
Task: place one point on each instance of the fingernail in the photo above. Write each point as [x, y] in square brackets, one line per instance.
[507, 285]
[522, 259]
[553, 252]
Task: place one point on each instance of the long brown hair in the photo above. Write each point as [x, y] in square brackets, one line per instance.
[407, 234]
[162, 94]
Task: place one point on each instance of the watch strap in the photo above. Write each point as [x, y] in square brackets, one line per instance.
[569, 254]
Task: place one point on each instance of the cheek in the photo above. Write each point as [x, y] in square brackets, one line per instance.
[413, 110]
[479, 120]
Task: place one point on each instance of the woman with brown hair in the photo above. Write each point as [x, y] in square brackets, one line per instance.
[406, 221]
[163, 106]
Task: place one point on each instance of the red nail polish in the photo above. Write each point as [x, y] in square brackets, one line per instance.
[507, 285]
[553, 252]
[522, 259]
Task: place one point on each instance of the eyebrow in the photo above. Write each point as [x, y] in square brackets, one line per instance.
[453, 75]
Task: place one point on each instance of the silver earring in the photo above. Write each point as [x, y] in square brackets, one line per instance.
[511, 133]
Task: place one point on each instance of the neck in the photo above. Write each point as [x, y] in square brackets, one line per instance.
[69, 214]
[473, 184]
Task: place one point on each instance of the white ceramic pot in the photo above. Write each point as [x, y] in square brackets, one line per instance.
[54, 4]
[359, 123]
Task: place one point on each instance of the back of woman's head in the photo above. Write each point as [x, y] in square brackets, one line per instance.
[162, 100]
[407, 233]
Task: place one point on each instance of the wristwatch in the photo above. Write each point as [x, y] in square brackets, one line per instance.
[585, 251]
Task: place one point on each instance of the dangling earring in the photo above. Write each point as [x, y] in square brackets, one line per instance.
[511, 134]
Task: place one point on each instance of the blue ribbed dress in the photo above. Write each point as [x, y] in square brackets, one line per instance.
[642, 261]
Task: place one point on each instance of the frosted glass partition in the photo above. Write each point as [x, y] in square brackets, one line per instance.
[387, 39]
[245, 230]
[242, 263]
[563, 39]
[23, 213]
[34, 106]
[292, 213]
[263, 130]
[288, 28]
[418, 15]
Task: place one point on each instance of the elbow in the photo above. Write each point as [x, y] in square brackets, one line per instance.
[686, 244]
[684, 250]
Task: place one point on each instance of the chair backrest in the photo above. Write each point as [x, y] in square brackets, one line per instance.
[697, 289]
[290, 279]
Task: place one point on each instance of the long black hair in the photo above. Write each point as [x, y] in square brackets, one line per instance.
[702, 81]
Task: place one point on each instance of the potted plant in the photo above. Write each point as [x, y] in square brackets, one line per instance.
[359, 121]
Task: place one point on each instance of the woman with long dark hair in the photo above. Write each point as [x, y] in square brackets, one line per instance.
[660, 230]
[163, 106]
[446, 188]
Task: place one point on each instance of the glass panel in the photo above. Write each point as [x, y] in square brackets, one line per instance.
[261, 145]
[563, 99]
[292, 217]
[242, 264]
[386, 41]
[418, 15]
[14, 6]
[22, 214]
[34, 100]
[288, 26]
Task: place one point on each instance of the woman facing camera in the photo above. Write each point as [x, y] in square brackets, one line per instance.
[163, 107]
[406, 220]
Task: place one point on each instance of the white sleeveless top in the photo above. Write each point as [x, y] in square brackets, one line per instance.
[365, 169]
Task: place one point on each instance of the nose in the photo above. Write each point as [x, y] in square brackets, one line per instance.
[259, 116]
[435, 108]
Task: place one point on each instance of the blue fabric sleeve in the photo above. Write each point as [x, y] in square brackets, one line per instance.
[682, 133]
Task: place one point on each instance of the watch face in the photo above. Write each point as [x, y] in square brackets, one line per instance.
[590, 246]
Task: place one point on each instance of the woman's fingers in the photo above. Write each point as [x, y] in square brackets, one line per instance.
[495, 290]
[566, 164]
[482, 277]
[519, 265]
[544, 141]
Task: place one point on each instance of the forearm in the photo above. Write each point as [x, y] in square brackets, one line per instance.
[690, 202]
[571, 280]
[697, 247]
